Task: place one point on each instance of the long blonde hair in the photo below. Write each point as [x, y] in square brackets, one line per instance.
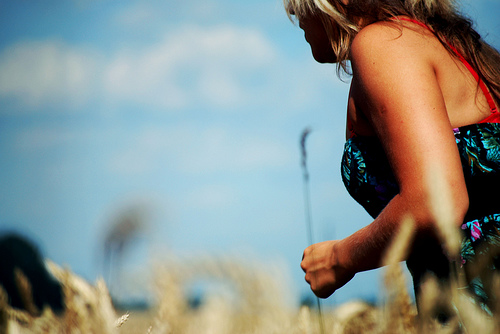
[442, 16]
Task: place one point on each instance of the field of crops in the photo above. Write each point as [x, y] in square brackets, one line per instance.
[255, 302]
[257, 305]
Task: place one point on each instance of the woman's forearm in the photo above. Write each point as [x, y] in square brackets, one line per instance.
[365, 249]
[331, 264]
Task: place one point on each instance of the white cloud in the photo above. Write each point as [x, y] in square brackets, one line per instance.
[43, 72]
[192, 66]
[148, 15]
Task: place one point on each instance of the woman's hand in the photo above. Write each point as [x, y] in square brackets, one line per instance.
[324, 272]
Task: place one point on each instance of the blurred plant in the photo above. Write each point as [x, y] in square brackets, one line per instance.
[124, 230]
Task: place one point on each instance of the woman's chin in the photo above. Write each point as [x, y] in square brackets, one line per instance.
[325, 58]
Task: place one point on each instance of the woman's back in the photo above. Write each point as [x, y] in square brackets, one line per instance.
[465, 103]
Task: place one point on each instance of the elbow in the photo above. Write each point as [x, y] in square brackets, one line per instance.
[462, 207]
[430, 210]
[453, 208]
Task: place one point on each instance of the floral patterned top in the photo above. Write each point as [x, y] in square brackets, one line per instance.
[369, 180]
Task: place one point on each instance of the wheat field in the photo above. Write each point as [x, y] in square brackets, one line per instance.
[258, 303]
[260, 306]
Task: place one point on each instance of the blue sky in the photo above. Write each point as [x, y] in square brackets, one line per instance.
[192, 109]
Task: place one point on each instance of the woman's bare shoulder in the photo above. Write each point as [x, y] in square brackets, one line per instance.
[394, 68]
[394, 42]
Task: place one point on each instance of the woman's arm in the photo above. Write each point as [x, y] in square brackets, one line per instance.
[395, 86]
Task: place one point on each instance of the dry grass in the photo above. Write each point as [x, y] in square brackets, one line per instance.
[255, 301]
[258, 304]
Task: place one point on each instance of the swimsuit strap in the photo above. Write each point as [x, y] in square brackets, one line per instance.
[350, 127]
[492, 118]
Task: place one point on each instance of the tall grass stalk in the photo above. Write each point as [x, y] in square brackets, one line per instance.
[307, 205]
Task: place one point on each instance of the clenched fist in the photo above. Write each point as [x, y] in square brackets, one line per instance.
[324, 272]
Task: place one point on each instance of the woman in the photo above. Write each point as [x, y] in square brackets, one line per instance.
[423, 105]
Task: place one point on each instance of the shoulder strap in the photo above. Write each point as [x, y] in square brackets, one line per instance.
[350, 126]
[483, 87]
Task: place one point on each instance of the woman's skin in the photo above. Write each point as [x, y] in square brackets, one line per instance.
[407, 90]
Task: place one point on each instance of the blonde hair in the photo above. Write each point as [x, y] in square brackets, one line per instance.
[339, 18]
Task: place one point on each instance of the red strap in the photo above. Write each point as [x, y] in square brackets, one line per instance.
[494, 117]
[350, 127]
[483, 87]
